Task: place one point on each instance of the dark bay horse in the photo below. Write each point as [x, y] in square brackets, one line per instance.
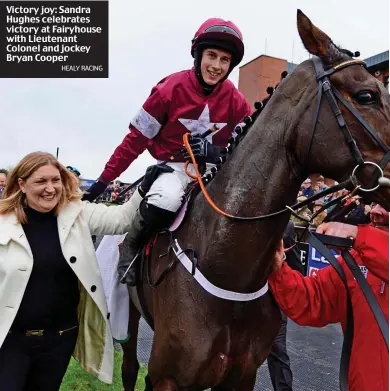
[202, 341]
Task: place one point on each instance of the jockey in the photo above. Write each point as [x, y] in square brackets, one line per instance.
[194, 101]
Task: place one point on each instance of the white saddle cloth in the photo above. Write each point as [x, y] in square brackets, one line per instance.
[117, 295]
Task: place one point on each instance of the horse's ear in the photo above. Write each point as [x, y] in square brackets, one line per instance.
[314, 40]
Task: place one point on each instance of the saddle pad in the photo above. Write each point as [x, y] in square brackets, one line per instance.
[179, 217]
[117, 295]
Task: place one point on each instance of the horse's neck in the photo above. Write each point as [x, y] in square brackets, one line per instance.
[261, 177]
[256, 181]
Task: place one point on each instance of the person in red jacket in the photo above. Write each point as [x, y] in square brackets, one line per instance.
[194, 101]
[319, 300]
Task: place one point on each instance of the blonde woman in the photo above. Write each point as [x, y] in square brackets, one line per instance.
[52, 302]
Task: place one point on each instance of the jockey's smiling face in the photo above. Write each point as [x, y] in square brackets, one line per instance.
[215, 65]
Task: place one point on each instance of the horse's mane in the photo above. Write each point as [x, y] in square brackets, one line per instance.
[349, 53]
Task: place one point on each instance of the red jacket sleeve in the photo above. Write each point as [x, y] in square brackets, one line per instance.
[143, 127]
[372, 244]
[131, 147]
[308, 301]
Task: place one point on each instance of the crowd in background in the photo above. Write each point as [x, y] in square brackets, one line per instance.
[357, 211]
[114, 192]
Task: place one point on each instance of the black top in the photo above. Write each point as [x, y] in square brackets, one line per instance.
[52, 294]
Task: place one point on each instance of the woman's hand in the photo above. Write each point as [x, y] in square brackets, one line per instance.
[279, 257]
[338, 229]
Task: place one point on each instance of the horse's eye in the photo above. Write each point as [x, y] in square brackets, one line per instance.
[366, 97]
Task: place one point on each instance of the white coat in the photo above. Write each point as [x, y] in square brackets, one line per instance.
[76, 223]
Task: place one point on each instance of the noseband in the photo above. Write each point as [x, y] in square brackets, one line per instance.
[325, 86]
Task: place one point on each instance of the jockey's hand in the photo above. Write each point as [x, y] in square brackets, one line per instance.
[341, 230]
[203, 150]
[94, 191]
[151, 174]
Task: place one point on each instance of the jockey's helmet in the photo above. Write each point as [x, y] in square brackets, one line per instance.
[218, 33]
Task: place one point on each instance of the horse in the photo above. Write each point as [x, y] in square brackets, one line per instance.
[202, 341]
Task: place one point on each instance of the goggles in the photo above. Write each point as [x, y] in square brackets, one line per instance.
[220, 29]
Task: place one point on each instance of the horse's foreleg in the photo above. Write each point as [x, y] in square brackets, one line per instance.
[130, 365]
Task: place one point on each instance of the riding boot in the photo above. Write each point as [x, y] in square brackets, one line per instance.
[147, 220]
[126, 249]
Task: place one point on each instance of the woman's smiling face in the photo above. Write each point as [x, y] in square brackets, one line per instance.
[43, 188]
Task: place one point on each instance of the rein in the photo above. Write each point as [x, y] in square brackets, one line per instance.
[350, 183]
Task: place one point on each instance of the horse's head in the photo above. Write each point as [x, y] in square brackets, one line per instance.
[329, 151]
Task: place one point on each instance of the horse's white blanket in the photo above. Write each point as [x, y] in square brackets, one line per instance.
[117, 295]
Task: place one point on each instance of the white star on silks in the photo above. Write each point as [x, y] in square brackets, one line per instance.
[202, 124]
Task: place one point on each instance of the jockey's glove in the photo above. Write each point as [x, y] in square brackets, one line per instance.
[151, 174]
[203, 150]
[94, 191]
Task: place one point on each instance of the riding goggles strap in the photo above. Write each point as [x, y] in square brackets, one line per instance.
[221, 29]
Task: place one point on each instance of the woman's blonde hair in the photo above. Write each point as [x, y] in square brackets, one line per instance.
[14, 200]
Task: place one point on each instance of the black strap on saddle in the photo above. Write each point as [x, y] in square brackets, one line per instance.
[146, 267]
[314, 240]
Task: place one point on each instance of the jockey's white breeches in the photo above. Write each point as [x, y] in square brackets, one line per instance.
[168, 189]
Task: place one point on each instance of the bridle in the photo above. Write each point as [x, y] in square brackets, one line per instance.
[325, 86]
